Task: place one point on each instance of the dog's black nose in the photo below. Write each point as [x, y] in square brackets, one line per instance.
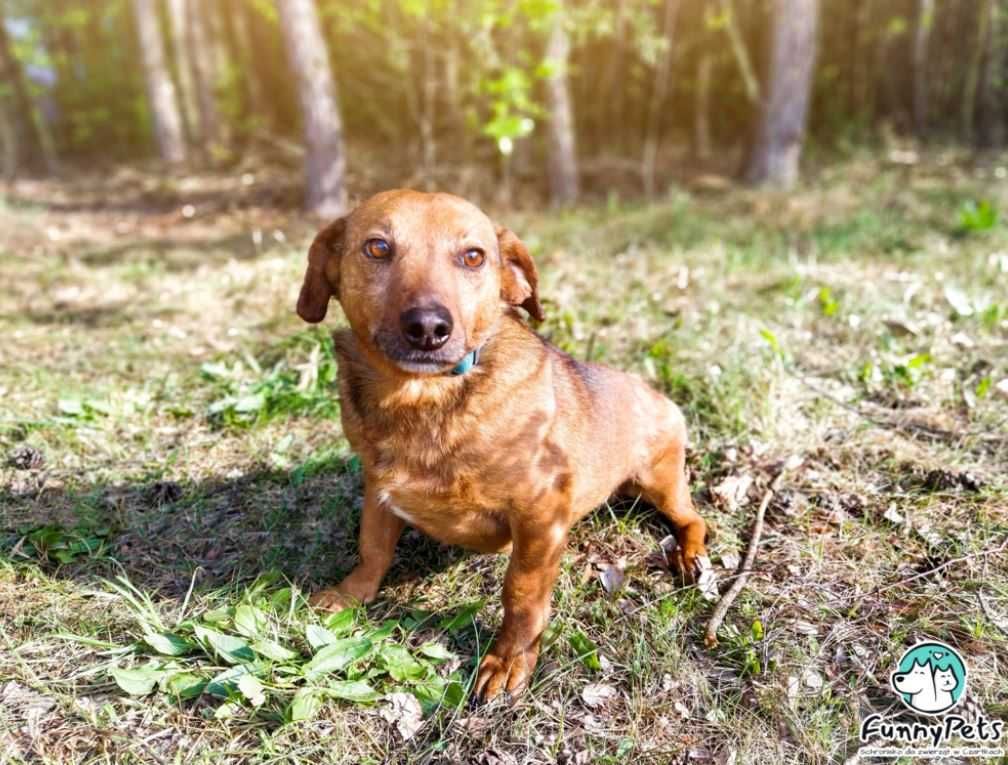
[426, 328]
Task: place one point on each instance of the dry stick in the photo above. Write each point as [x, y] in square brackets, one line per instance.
[1000, 623]
[710, 639]
[941, 567]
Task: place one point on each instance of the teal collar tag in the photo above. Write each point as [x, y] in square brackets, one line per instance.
[470, 360]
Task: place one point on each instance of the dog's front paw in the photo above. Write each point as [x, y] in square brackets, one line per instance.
[500, 673]
[690, 554]
[331, 599]
[691, 564]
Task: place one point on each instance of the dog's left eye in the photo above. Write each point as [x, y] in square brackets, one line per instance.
[473, 258]
[377, 249]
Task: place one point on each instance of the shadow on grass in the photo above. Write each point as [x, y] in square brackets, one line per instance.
[159, 534]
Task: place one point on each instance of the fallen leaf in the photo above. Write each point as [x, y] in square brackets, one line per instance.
[794, 462]
[959, 301]
[900, 327]
[668, 546]
[893, 516]
[611, 578]
[1002, 387]
[731, 492]
[962, 340]
[931, 537]
[812, 679]
[707, 581]
[403, 711]
[730, 560]
[596, 694]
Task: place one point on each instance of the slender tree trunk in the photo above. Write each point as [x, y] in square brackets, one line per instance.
[863, 56]
[663, 71]
[271, 77]
[922, 34]
[239, 71]
[160, 89]
[610, 87]
[325, 160]
[428, 110]
[25, 149]
[257, 106]
[991, 125]
[701, 109]
[563, 169]
[205, 73]
[178, 15]
[8, 145]
[774, 158]
[740, 52]
[970, 86]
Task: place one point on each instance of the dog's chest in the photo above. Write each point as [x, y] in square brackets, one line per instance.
[443, 492]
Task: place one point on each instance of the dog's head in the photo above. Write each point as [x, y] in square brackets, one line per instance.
[422, 278]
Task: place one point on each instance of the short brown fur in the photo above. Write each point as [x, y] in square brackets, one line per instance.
[505, 458]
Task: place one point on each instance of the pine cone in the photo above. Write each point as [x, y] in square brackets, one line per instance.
[25, 457]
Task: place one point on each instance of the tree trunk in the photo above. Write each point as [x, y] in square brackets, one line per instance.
[969, 102]
[160, 89]
[325, 159]
[256, 111]
[663, 71]
[701, 109]
[740, 52]
[178, 15]
[428, 110]
[563, 171]
[8, 145]
[922, 34]
[864, 53]
[205, 74]
[25, 149]
[991, 110]
[775, 154]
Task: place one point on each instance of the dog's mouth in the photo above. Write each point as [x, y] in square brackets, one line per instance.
[423, 363]
[417, 362]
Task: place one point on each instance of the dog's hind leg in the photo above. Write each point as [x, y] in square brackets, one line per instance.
[662, 482]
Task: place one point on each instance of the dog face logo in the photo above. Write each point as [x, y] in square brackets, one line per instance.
[930, 678]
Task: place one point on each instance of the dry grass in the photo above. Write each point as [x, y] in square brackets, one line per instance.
[848, 324]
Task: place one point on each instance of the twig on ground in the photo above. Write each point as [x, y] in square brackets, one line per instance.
[1000, 622]
[710, 639]
[982, 554]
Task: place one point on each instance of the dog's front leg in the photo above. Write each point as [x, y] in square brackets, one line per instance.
[380, 529]
[528, 586]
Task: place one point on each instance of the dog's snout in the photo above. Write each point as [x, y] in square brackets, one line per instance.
[426, 328]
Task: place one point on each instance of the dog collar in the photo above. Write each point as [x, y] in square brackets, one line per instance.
[470, 360]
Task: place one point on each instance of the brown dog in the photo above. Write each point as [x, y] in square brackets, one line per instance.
[471, 427]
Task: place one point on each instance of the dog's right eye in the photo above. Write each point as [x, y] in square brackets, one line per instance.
[378, 249]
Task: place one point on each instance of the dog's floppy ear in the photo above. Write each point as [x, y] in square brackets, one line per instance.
[321, 280]
[519, 278]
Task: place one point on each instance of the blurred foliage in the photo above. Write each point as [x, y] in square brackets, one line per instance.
[463, 81]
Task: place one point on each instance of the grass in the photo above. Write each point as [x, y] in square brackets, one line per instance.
[175, 480]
